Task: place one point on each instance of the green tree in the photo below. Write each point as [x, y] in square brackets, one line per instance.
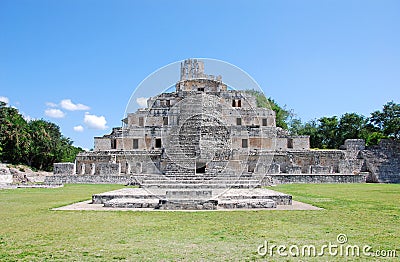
[37, 143]
[328, 129]
[48, 145]
[44, 144]
[311, 129]
[295, 126]
[351, 126]
[388, 120]
[14, 135]
[70, 152]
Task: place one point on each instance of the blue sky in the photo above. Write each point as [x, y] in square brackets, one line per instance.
[81, 60]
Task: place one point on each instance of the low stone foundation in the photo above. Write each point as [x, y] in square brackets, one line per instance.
[313, 179]
[318, 169]
[187, 204]
[267, 180]
[198, 199]
[88, 179]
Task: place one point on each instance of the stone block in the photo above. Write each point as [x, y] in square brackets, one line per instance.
[4, 170]
[354, 144]
[108, 168]
[274, 169]
[318, 169]
[6, 179]
[293, 169]
[189, 194]
[64, 169]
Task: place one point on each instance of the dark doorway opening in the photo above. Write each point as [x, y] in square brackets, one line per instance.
[158, 142]
[135, 143]
[200, 168]
[264, 122]
[289, 143]
[245, 143]
[113, 143]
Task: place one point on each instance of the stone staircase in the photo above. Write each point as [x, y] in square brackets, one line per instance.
[176, 180]
[186, 182]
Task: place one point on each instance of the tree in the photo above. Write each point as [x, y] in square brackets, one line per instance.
[328, 129]
[37, 143]
[295, 126]
[14, 135]
[48, 145]
[44, 144]
[351, 126]
[311, 129]
[388, 120]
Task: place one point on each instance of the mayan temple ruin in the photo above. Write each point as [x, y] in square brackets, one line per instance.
[207, 146]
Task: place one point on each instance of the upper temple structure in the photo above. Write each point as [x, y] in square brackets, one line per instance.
[202, 127]
[206, 134]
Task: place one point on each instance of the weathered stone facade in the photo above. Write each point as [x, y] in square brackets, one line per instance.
[201, 128]
[382, 161]
[205, 130]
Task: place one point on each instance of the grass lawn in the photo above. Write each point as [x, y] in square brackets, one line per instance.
[369, 214]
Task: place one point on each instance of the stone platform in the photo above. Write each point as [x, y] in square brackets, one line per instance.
[192, 199]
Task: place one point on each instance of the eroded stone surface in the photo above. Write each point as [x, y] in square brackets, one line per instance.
[204, 129]
[193, 199]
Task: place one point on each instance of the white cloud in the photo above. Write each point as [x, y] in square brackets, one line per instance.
[142, 101]
[54, 113]
[68, 105]
[95, 122]
[27, 118]
[78, 128]
[50, 104]
[4, 99]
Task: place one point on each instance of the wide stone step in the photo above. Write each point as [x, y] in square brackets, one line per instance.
[132, 203]
[204, 181]
[126, 193]
[247, 203]
[257, 193]
[197, 179]
[186, 204]
[196, 198]
[208, 177]
[198, 185]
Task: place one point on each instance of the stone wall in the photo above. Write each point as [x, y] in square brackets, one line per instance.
[5, 178]
[88, 179]
[102, 143]
[104, 169]
[64, 168]
[305, 159]
[383, 162]
[301, 143]
[5, 175]
[131, 162]
[312, 179]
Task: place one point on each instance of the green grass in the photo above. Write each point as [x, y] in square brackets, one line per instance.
[369, 214]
